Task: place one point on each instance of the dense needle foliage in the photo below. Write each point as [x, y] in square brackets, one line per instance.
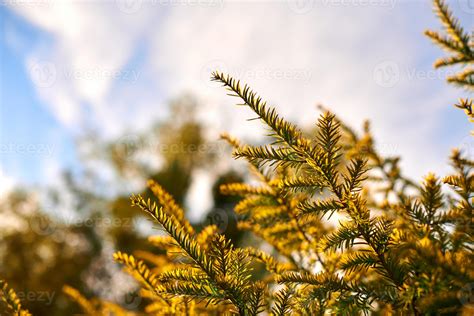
[338, 228]
[458, 43]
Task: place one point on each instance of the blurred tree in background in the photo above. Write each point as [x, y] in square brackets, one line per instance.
[71, 240]
[59, 252]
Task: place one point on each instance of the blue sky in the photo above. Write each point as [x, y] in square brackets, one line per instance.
[24, 120]
[112, 66]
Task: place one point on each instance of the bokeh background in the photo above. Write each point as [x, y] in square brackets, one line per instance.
[98, 96]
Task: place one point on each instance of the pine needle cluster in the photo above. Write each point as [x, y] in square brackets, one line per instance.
[348, 233]
[345, 231]
[458, 43]
[10, 303]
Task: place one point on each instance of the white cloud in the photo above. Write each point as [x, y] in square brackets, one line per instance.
[361, 61]
[92, 41]
[199, 198]
[7, 183]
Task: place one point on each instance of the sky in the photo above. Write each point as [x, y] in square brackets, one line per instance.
[112, 66]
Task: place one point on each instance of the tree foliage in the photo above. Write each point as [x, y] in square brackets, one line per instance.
[10, 301]
[458, 43]
[406, 253]
[341, 230]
